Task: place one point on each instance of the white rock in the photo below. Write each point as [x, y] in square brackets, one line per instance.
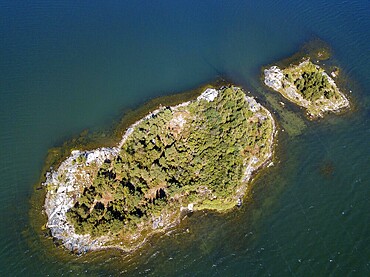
[273, 77]
[253, 105]
[61, 190]
[209, 95]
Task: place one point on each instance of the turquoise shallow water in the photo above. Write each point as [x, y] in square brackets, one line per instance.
[70, 65]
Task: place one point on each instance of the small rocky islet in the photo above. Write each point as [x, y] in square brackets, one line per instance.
[307, 85]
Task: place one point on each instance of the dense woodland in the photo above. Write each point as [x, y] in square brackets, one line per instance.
[312, 83]
[178, 156]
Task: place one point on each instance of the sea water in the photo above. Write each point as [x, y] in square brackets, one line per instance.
[66, 66]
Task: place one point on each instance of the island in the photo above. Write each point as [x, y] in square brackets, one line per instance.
[307, 85]
[197, 155]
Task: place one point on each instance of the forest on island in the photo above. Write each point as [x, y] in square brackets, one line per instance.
[311, 82]
[189, 154]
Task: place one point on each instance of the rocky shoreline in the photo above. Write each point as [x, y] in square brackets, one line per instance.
[65, 184]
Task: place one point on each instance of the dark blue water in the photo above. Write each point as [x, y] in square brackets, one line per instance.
[70, 65]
